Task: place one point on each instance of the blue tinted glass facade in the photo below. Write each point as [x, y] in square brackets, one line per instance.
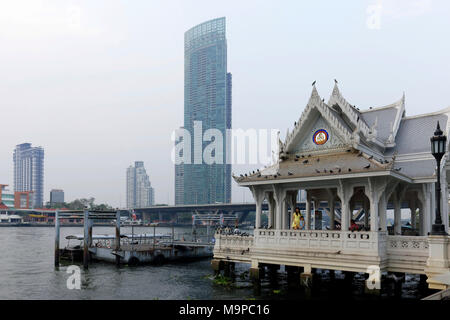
[207, 98]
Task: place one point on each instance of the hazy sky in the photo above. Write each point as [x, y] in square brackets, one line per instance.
[99, 84]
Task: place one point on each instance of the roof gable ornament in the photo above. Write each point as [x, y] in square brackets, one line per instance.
[395, 125]
[349, 110]
[281, 153]
[315, 103]
[314, 95]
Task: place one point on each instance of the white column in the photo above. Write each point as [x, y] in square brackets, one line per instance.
[424, 209]
[279, 194]
[382, 204]
[258, 195]
[421, 220]
[433, 204]
[366, 213]
[258, 215]
[374, 206]
[345, 216]
[378, 190]
[444, 207]
[332, 213]
[308, 212]
[285, 215]
[271, 213]
[345, 193]
[427, 209]
[412, 208]
[397, 216]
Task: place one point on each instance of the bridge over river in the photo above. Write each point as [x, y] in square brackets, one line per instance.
[240, 209]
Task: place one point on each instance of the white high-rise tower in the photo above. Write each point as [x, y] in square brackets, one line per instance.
[140, 193]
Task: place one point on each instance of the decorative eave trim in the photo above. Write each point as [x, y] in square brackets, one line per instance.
[382, 173]
[392, 105]
[369, 151]
[400, 106]
[424, 180]
[443, 111]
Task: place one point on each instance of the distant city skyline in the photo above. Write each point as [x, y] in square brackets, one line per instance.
[106, 88]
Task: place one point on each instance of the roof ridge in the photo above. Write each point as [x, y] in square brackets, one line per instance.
[395, 104]
[442, 111]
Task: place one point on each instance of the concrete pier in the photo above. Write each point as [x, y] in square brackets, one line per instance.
[117, 240]
[306, 277]
[86, 240]
[57, 237]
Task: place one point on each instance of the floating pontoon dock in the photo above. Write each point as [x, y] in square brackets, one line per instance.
[128, 249]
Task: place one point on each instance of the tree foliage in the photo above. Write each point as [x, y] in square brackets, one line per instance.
[79, 204]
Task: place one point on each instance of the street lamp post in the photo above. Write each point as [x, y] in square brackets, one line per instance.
[438, 144]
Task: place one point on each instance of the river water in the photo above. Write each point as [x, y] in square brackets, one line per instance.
[27, 272]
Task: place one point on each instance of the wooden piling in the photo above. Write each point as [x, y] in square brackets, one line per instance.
[57, 238]
[117, 242]
[173, 238]
[227, 269]
[217, 266]
[91, 224]
[86, 240]
[154, 237]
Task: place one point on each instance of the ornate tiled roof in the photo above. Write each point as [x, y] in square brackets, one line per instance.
[382, 137]
[350, 161]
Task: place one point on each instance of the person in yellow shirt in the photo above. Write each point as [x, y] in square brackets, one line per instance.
[296, 219]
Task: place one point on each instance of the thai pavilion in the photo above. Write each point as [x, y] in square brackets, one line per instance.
[353, 164]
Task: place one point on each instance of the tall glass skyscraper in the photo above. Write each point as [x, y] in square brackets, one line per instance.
[207, 99]
[179, 178]
[29, 172]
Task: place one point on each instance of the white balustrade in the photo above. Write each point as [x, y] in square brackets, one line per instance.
[407, 244]
[326, 248]
[318, 239]
[233, 243]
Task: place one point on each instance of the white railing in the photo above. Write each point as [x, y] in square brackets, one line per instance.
[407, 253]
[324, 248]
[407, 244]
[233, 243]
[333, 240]
[325, 239]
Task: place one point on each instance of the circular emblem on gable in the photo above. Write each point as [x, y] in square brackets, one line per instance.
[320, 136]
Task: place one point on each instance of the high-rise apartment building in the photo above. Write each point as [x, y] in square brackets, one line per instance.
[140, 193]
[29, 172]
[207, 101]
